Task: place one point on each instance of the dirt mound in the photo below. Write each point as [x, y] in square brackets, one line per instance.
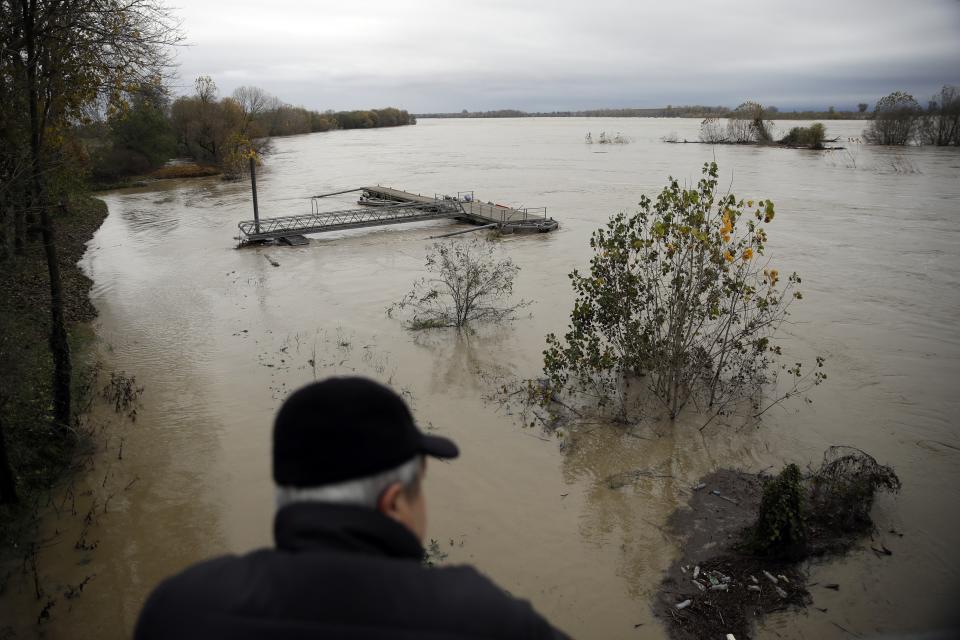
[746, 534]
[713, 589]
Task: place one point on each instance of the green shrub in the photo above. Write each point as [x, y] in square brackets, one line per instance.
[781, 524]
[812, 136]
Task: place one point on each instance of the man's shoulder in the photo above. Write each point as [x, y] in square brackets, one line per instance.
[318, 589]
[466, 593]
[201, 587]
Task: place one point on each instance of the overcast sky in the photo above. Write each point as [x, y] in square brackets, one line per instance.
[544, 55]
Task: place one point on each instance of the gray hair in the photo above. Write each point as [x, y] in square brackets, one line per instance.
[362, 492]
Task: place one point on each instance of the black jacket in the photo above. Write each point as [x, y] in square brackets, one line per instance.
[337, 572]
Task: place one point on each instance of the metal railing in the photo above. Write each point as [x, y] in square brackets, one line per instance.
[317, 222]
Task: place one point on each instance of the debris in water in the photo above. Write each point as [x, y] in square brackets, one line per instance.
[753, 587]
[699, 585]
[755, 581]
[699, 486]
[684, 604]
[770, 576]
[271, 260]
[716, 492]
[783, 577]
[781, 592]
[834, 586]
[719, 587]
[696, 571]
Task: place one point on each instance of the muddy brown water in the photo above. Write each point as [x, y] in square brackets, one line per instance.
[218, 337]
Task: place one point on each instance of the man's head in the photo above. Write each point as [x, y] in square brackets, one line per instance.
[353, 441]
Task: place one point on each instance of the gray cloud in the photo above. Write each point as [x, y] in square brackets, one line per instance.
[538, 55]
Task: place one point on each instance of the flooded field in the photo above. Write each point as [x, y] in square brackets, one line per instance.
[218, 336]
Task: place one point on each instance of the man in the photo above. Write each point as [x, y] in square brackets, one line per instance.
[349, 463]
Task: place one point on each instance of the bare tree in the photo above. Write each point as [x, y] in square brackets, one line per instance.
[746, 124]
[711, 131]
[940, 125]
[254, 101]
[468, 283]
[894, 120]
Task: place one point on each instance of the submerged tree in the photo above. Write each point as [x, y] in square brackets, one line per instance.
[746, 124]
[678, 297]
[821, 511]
[894, 120]
[711, 131]
[940, 125]
[812, 136]
[469, 282]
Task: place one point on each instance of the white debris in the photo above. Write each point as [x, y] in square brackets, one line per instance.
[719, 587]
[684, 604]
[699, 585]
[730, 637]
[769, 575]
[755, 581]
[781, 592]
[696, 571]
[753, 587]
[783, 577]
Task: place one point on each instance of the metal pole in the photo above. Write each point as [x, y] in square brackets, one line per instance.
[253, 186]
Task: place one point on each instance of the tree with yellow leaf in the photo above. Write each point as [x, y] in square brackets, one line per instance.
[680, 305]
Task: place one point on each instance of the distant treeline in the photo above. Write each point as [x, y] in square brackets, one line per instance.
[670, 111]
[897, 119]
[222, 132]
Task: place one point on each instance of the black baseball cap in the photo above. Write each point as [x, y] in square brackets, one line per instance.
[346, 428]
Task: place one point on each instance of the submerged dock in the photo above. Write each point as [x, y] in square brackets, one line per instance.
[384, 206]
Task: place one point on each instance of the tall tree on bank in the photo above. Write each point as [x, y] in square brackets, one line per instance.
[60, 58]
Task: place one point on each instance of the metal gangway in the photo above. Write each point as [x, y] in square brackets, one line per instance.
[322, 221]
[384, 206]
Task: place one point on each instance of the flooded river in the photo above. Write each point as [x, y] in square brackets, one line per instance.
[218, 336]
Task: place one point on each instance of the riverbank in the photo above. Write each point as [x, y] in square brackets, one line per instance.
[39, 457]
[175, 171]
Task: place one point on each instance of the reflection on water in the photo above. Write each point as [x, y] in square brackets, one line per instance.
[219, 336]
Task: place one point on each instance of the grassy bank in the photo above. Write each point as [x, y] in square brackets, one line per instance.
[181, 170]
[40, 455]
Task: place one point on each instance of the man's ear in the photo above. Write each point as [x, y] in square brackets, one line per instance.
[387, 502]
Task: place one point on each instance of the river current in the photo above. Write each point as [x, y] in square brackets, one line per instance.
[218, 336]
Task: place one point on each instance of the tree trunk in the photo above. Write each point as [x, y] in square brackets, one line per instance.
[59, 347]
[6, 232]
[8, 482]
[20, 231]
